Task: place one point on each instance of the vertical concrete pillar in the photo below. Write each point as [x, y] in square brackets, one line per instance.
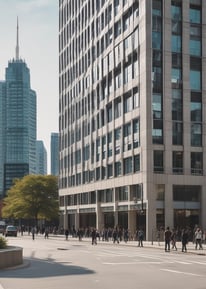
[150, 220]
[203, 211]
[65, 226]
[132, 222]
[77, 220]
[99, 218]
[115, 218]
[169, 211]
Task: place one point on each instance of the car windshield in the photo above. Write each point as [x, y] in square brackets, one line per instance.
[11, 228]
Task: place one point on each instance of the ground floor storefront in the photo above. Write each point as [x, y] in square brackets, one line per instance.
[176, 206]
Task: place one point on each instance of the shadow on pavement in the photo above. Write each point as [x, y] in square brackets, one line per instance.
[39, 268]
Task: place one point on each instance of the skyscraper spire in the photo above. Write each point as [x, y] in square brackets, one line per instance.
[17, 40]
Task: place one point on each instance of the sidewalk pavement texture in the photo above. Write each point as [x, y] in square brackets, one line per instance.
[147, 244]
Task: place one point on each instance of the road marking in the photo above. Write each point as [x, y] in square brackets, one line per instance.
[184, 263]
[200, 263]
[180, 272]
[1, 287]
[130, 263]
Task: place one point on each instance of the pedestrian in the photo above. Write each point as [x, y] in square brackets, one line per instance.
[46, 233]
[66, 234]
[174, 239]
[115, 236]
[33, 231]
[94, 237]
[198, 239]
[140, 238]
[184, 240]
[167, 234]
[126, 235]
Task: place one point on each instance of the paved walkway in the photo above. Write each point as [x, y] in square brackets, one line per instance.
[146, 244]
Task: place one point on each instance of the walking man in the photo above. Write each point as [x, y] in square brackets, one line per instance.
[94, 237]
[168, 234]
[140, 238]
[33, 231]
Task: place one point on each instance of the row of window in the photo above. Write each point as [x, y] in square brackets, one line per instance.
[101, 68]
[114, 109]
[108, 85]
[196, 161]
[123, 193]
[195, 74]
[131, 193]
[126, 166]
[75, 25]
[121, 140]
[157, 98]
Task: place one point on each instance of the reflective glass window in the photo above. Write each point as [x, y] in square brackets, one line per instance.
[195, 47]
[195, 16]
[195, 80]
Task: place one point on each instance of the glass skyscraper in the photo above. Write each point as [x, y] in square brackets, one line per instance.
[41, 158]
[132, 113]
[18, 123]
[54, 147]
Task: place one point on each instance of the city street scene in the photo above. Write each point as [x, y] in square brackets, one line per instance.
[57, 263]
[102, 144]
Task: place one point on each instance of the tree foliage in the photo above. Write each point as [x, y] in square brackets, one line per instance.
[32, 197]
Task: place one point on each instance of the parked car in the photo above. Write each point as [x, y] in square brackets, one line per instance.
[11, 231]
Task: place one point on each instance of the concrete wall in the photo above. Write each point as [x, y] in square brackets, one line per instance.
[12, 256]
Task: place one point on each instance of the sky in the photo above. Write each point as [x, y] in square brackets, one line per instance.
[38, 46]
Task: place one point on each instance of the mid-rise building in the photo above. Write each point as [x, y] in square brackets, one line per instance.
[54, 150]
[41, 158]
[17, 123]
[132, 113]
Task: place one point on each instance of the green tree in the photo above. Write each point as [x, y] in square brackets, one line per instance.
[32, 197]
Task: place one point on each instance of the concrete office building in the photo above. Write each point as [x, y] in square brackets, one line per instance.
[17, 123]
[54, 150]
[41, 158]
[132, 113]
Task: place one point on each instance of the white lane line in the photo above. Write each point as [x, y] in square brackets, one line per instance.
[200, 263]
[184, 263]
[180, 272]
[130, 263]
[1, 287]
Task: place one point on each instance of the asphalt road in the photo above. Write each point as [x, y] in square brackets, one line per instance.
[59, 264]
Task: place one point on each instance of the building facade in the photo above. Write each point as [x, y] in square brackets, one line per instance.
[41, 158]
[132, 113]
[54, 150]
[17, 123]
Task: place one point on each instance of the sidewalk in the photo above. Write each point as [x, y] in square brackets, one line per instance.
[146, 244]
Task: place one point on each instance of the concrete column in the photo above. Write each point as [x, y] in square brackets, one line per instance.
[132, 222]
[100, 218]
[65, 219]
[115, 218]
[169, 211]
[203, 211]
[77, 220]
[150, 221]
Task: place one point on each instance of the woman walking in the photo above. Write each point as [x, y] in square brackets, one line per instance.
[184, 240]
